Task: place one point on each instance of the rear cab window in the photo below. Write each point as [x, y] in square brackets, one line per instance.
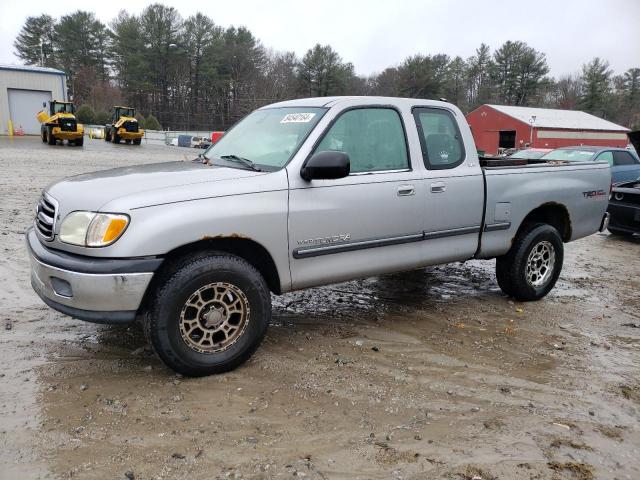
[440, 138]
[623, 158]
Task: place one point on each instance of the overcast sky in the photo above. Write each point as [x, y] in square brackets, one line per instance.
[374, 34]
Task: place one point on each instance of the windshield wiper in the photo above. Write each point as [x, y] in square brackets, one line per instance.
[243, 161]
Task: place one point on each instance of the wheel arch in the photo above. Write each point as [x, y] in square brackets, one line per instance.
[250, 250]
[551, 213]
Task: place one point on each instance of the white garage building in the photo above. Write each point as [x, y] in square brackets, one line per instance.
[23, 89]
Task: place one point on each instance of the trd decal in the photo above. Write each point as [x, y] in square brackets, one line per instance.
[594, 193]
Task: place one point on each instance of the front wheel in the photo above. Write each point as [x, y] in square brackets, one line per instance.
[209, 316]
[531, 268]
[51, 140]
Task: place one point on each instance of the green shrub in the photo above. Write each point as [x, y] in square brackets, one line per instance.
[152, 123]
[85, 114]
[101, 118]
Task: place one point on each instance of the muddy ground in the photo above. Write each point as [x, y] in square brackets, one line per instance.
[420, 375]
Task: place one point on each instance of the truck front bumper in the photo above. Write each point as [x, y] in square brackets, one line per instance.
[625, 216]
[99, 290]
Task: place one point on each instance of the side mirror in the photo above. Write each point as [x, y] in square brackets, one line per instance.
[327, 165]
[44, 104]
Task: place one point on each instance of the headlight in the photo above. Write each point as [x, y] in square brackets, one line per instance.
[90, 229]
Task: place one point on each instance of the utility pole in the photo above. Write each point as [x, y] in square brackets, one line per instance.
[41, 52]
[532, 122]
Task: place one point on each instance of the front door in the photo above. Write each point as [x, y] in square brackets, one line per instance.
[369, 222]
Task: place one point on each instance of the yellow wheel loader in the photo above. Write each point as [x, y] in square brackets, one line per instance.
[123, 126]
[59, 124]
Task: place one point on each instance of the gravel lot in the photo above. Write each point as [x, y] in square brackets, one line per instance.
[420, 375]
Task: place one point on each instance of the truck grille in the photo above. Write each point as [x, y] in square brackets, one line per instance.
[46, 212]
[131, 126]
[68, 125]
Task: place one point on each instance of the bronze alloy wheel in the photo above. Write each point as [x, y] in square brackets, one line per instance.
[214, 317]
[540, 263]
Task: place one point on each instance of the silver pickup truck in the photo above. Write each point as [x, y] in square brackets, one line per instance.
[299, 194]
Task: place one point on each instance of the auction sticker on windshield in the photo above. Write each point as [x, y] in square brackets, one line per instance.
[297, 118]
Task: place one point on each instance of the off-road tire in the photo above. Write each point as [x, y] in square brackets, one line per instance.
[162, 319]
[107, 134]
[137, 141]
[115, 138]
[511, 269]
[43, 135]
[79, 141]
[51, 140]
[619, 233]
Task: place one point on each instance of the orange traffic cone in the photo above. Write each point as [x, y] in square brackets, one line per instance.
[20, 131]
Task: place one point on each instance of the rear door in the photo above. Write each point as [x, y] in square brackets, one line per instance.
[367, 223]
[454, 187]
[625, 167]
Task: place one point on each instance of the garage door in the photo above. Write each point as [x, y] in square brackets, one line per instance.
[23, 107]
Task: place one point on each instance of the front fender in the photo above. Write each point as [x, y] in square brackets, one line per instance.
[261, 217]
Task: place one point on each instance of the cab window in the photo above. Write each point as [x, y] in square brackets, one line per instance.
[373, 138]
[623, 158]
[440, 138]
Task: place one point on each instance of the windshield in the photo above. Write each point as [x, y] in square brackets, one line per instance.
[267, 137]
[528, 154]
[570, 155]
[63, 108]
[127, 112]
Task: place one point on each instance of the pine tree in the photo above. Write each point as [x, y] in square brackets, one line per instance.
[596, 86]
[34, 45]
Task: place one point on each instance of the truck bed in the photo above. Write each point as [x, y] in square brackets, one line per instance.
[513, 190]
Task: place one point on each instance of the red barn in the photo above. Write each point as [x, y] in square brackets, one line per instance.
[497, 127]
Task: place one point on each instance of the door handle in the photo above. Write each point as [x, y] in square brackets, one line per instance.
[438, 187]
[406, 190]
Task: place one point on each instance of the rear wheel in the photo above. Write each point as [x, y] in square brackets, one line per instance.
[115, 138]
[107, 134]
[43, 135]
[619, 233]
[137, 141]
[51, 140]
[531, 268]
[209, 316]
[79, 141]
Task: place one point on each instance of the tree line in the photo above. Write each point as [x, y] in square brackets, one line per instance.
[194, 74]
